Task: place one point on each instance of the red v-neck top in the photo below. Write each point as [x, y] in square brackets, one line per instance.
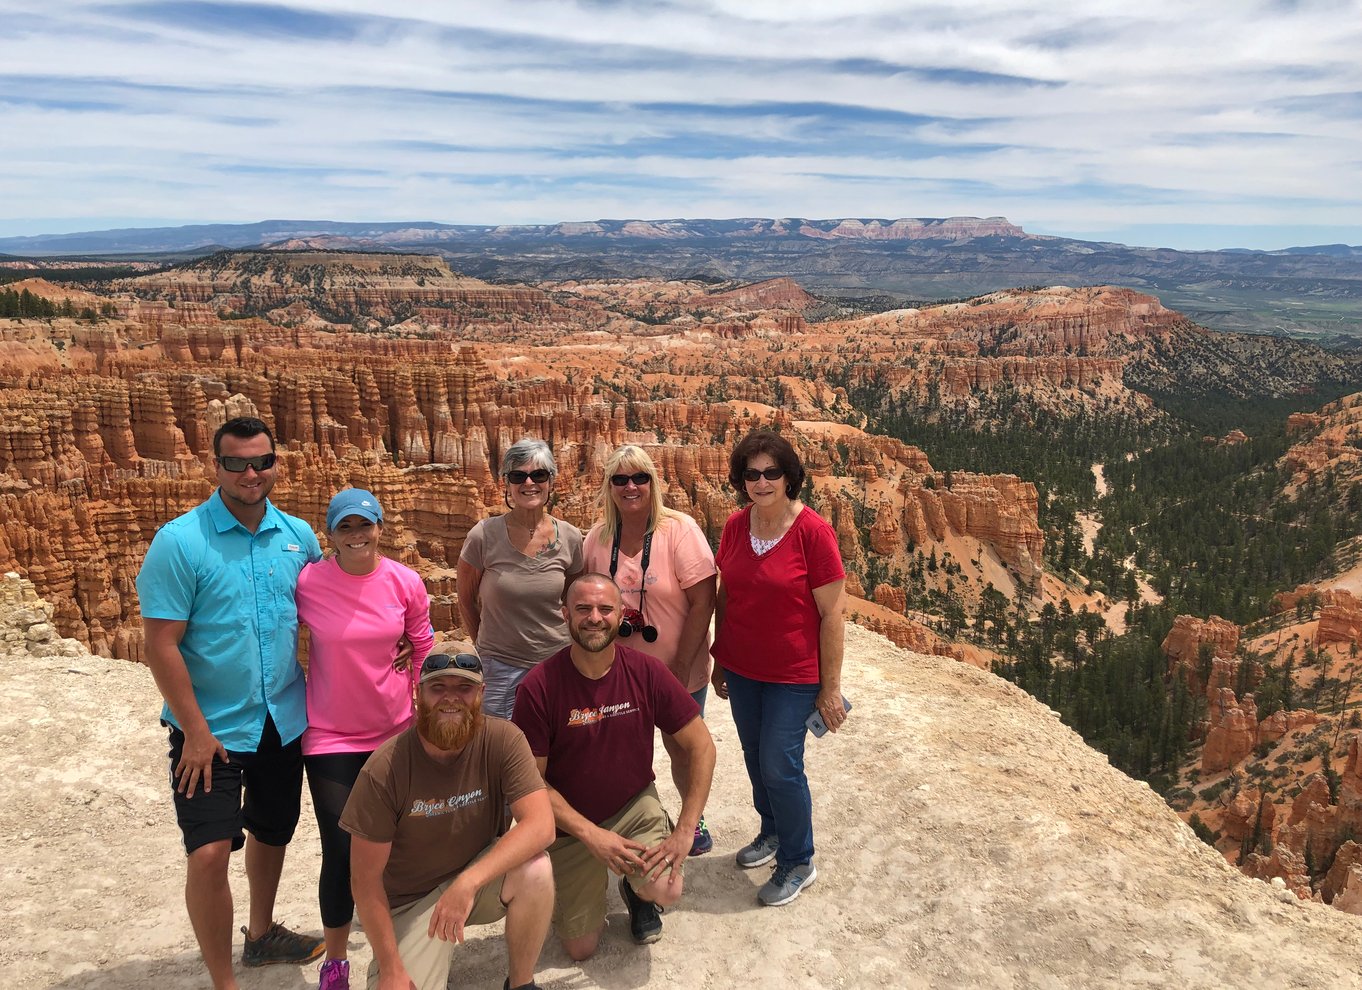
[771, 622]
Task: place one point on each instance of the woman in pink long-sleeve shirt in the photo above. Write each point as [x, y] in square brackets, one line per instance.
[357, 604]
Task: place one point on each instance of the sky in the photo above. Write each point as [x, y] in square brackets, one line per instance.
[1173, 123]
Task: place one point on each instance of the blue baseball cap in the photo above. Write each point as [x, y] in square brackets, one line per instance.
[352, 502]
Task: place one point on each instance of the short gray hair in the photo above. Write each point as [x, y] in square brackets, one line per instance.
[528, 451]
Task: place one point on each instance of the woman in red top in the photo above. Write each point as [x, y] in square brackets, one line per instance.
[778, 642]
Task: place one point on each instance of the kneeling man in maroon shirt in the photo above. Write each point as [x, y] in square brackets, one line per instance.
[425, 859]
[588, 713]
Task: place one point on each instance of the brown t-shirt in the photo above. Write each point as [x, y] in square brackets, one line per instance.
[438, 816]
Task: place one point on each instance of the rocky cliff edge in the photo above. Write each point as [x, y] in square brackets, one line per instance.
[965, 838]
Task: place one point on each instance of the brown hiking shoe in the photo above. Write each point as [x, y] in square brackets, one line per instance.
[279, 945]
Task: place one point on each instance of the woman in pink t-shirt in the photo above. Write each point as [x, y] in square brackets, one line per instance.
[357, 604]
[778, 639]
[665, 570]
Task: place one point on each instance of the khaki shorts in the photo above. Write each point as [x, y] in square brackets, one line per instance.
[428, 959]
[581, 879]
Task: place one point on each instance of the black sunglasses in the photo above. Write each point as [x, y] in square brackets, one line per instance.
[538, 476]
[639, 478]
[770, 474]
[261, 462]
[443, 661]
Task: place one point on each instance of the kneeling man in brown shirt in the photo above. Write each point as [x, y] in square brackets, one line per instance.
[425, 859]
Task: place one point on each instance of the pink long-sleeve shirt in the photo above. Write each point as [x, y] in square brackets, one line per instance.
[355, 700]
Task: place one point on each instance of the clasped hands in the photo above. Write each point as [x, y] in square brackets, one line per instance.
[625, 856]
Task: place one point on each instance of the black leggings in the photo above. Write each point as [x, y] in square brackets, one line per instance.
[330, 776]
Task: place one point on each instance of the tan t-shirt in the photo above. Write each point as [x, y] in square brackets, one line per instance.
[438, 816]
[520, 598]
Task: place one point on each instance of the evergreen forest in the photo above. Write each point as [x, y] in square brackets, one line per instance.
[1207, 520]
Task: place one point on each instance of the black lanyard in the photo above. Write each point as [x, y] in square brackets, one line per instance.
[647, 553]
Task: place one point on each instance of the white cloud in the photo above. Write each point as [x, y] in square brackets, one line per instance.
[1162, 112]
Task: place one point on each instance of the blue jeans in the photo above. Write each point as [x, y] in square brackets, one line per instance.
[699, 698]
[501, 680]
[770, 721]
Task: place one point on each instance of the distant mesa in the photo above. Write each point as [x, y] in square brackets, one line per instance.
[922, 258]
[331, 234]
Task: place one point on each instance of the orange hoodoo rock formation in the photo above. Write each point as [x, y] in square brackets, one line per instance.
[1183, 645]
[111, 437]
[1328, 440]
[1233, 731]
[1340, 612]
[1318, 829]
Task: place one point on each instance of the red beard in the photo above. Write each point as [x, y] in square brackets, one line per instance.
[444, 733]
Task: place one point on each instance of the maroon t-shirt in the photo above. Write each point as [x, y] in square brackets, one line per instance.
[771, 623]
[598, 735]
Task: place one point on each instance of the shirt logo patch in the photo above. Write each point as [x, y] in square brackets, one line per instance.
[580, 717]
[294, 547]
[434, 807]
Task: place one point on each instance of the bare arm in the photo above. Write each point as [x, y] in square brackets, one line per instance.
[831, 600]
[168, 669]
[621, 855]
[367, 862]
[531, 834]
[717, 678]
[699, 610]
[467, 578]
[696, 742]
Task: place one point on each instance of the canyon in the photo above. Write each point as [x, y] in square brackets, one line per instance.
[109, 423]
[396, 373]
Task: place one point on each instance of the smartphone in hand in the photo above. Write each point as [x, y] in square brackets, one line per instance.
[815, 723]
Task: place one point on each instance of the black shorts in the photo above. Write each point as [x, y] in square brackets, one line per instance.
[272, 778]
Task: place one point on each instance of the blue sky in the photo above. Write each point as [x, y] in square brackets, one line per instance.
[1234, 123]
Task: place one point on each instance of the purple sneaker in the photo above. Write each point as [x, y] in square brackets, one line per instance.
[703, 841]
[335, 975]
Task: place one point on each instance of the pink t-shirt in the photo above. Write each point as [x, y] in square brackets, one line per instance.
[598, 735]
[680, 557]
[355, 700]
[771, 623]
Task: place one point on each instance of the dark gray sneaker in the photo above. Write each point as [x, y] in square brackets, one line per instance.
[758, 852]
[787, 883]
[279, 945]
[645, 921]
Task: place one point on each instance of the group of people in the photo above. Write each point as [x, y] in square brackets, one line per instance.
[456, 789]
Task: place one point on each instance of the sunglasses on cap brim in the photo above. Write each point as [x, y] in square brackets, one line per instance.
[443, 661]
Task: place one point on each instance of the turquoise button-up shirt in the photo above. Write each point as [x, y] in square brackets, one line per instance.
[234, 590]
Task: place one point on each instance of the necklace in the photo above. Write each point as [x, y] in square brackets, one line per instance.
[532, 531]
[762, 546]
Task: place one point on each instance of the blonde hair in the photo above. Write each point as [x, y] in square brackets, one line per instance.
[630, 459]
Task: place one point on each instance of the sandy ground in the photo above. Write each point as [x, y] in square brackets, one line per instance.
[1349, 580]
[966, 839]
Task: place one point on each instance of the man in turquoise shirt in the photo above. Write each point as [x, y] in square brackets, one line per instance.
[221, 629]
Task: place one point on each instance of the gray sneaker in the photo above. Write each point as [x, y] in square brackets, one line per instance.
[787, 883]
[758, 852]
[279, 945]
